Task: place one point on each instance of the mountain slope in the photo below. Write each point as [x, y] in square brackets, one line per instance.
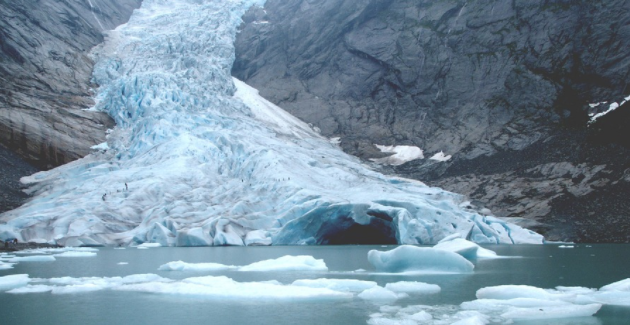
[197, 158]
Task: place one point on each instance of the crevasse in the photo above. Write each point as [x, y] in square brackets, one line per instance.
[198, 158]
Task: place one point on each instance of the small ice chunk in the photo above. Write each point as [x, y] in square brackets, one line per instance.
[39, 288]
[379, 294]
[408, 258]
[13, 281]
[183, 266]
[350, 285]
[123, 263]
[552, 312]
[413, 287]
[421, 316]
[76, 254]
[500, 304]
[566, 246]
[77, 288]
[513, 291]
[287, 263]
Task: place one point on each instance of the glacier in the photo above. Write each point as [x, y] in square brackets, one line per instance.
[199, 158]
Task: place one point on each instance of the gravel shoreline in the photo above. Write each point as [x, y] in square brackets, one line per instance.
[24, 246]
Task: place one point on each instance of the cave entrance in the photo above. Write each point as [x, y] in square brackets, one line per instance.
[377, 232]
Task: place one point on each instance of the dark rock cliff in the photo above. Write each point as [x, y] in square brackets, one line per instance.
[503, 86]
[45, 76]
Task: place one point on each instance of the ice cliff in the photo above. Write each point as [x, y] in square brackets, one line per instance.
[198, 158]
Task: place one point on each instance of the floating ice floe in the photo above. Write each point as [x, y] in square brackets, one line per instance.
[70, 285]
[413, 287]
[287, 263]
[465, 248]
[408, 258]
[76, 254]
[13, 281]
[284, 263]
[183, 266]
[198, 158]
[346, 285]
[224, 288]
[427, 315]
[381, 295]
[32, 258]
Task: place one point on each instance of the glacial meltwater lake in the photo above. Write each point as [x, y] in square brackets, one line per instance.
[545, 266]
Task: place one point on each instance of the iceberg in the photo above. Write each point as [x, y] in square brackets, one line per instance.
[199, 158]
[465, 248]
[408, 258]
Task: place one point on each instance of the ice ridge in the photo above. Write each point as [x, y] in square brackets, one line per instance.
[197, 158]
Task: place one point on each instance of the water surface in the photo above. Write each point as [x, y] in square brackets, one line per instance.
[545, 266]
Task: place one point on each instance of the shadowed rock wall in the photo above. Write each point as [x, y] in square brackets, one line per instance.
[45, 76]
[503, 86]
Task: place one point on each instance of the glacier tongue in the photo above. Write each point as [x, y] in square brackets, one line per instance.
[198, 158]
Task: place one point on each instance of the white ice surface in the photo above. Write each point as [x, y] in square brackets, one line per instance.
[13, 281]
[408, 258]
[380, 295]
[346, 285]
[183, 266]
[5, 265]
[440, 156]
[284, 263]
[465, 248]
[413, 287]
[76, 254]
[400, 154]
[613, 106]
[197, 158]
[287, 263]
[224, 288]
[32, 258]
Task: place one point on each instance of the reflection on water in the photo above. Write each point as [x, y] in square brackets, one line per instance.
[541, 266]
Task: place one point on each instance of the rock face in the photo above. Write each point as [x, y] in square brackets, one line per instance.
[502, 86]
[11, 169]
[45, 75]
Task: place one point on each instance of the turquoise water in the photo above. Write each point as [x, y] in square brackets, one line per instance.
[542, 266]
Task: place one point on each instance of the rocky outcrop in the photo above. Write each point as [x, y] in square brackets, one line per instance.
[12, 168]
[45, 74]
[502, 86]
